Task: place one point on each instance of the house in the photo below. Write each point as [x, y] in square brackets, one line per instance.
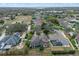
[58, 39]
[71, 33]
[35, 41]
[44, 39]
[39, 40]
[9, 41]
[64, 23]
[67, 22]
[37, 21]
[5, 18]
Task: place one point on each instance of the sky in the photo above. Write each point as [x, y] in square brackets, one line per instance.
[39, 4]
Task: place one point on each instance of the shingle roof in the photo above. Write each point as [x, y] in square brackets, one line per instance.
[10, 40]
[59, 38]
[38, 40]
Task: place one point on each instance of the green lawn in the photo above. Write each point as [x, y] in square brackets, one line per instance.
[73, 43]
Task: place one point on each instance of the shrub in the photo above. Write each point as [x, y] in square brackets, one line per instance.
[41, 48]
[64, 52]
[27, 43]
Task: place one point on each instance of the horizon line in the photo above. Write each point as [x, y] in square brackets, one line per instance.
[39, 4]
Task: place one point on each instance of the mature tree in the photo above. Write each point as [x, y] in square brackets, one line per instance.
[16, 28]
[53, 20]
[1, 21]
[27, 43]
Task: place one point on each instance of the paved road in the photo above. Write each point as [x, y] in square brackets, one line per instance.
[3, 35]
[29, 28]
[21, 44]
[66, 38]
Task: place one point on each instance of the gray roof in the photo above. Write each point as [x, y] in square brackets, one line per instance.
[38, 40]
[35, 41]
[10, 40]
[59, 37]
